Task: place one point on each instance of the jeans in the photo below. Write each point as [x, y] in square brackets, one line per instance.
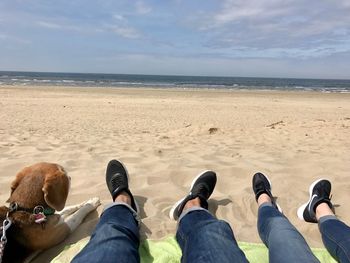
[203, 238]
[336, 237]
[115, 239]
[284, 241]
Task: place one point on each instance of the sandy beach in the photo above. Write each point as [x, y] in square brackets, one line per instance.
[166, 137]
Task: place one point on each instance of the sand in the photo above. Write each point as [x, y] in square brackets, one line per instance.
[166, 137]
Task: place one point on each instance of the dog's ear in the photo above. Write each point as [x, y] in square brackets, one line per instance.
[17, 181]
[56, 187]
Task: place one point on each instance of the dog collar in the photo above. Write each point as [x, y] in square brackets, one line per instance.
[39, 209]
[47, 211]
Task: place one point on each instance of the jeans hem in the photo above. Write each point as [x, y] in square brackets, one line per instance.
[328, 217]
[133, 212]
[194, 208]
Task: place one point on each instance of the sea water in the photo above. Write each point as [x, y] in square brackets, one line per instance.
[161, 81]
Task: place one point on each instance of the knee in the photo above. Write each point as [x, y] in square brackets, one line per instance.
[115, 231]
[215, 228]
[282, 229]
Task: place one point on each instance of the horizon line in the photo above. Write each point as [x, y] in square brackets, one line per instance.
[169, 75]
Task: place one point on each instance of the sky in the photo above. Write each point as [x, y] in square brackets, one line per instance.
[247, 38]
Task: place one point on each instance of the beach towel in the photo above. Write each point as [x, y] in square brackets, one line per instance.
[168, 251]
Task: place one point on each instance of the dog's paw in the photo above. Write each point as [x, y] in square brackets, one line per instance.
[95, 202]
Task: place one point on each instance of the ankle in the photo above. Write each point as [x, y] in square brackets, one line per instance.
[264, 198]
[123, 197]
[192, 203]
[323, 209]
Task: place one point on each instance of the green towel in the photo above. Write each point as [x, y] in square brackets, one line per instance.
[168, 251]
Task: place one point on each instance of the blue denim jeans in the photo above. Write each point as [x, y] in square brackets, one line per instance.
[336, 237]
[203, 238]
[284, 241]
[115, 239]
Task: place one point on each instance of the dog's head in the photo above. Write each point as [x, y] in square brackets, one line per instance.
[45, 184]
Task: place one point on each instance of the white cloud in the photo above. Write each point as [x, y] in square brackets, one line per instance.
[142, 8]
[14, 39]
[234, 11]
[49, 25]
[66, 25]
[122, 28]
[298, 26]
[125, 31]
[118, 17]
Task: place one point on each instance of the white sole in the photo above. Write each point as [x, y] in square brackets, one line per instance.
[171, 212]
[301, 209]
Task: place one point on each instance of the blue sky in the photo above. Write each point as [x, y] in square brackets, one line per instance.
[262, 38]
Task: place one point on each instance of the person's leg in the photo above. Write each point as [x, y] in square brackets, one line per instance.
[335, 234]
[202, 237]
[116, 236]
[283, 240]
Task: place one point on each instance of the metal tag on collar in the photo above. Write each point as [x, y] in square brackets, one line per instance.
[38, 212]
[13, 207]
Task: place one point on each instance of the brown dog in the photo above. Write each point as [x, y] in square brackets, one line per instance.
[36, 193]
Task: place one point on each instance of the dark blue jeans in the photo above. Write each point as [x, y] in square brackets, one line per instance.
[115, 239]
[203, 238]
[284, 241]
[336, 238]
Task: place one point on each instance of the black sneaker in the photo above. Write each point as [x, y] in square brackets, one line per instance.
[117, 179]
[320, 192]
[202, 186]
[262, 185]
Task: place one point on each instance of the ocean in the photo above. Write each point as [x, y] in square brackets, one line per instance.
[12, 78]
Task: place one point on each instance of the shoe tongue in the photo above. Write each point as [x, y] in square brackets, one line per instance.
[204, 202]
[117, 191]
[133, 203]
[201, 191]
[323, 193]
[262, 191]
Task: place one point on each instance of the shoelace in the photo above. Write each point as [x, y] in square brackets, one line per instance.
[202, 190]
[326, 195]
[260, 188]
[117, 180]
[262, 185]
